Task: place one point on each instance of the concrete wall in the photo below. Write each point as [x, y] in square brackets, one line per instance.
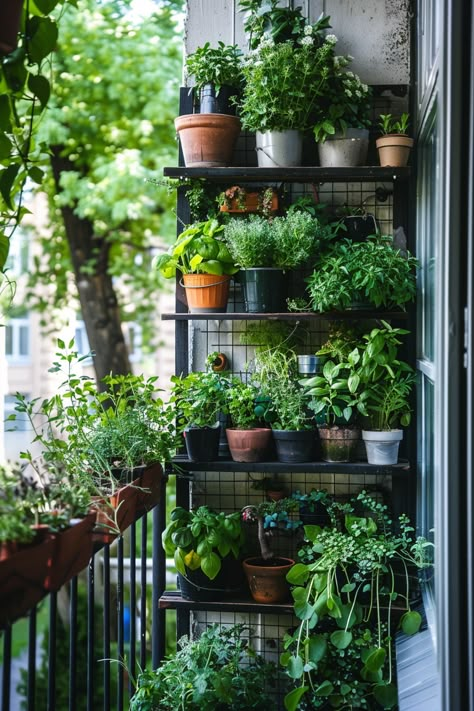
[375, 32]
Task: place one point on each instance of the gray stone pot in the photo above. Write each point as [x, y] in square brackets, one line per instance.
[344, 151]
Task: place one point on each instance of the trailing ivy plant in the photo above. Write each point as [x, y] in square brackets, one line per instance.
[352, 575]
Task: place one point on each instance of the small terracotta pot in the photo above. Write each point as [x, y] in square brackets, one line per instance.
[249, 445]
[207, 140]
[267, 579]
[394, 150]
[206, 293]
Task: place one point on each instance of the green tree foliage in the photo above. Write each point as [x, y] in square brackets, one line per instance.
[110, 128]
[25, 89]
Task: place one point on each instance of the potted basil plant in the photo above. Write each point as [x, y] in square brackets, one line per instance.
[202, 258]
[394, 145]
[217, 73]
[206, 547]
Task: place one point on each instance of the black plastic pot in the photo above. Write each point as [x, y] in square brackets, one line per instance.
[202, 443]
[229, 581]
[264, 289]
[210, 103]
[294, 445]
[359, 227]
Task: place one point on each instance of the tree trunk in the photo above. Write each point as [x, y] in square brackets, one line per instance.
[100, 310]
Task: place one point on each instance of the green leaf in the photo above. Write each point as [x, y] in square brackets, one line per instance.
[44, 35]
[376, 660]
[292, 699]
[7, 178]
[410, 622]
[298, 574]
[386, 695]
[294, 668]
[211, 565]
[45, 6]
[317, 648]
[341, 639]
[40, 87]
[324, 689]
[5, 146]
[4, 249]
[304, 610]
[5, 115]
[36, 174]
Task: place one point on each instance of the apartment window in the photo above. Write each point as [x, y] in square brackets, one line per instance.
[17, 340]
[19, 254]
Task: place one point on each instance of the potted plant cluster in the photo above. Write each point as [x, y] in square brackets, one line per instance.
[394, 145]
[265, 251]
[217, 670]
[369, 274]
[112, 443]
[266, 573]
[201, 256]
[45, 538]
[352, 587]
[206, 547]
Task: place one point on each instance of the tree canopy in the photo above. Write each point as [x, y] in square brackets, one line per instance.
[109, 128]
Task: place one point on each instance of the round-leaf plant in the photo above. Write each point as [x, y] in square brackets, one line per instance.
[199, 539]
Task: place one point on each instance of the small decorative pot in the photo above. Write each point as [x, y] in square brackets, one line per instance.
[267, 579]
[338, 443]
[394, 150]
[309, 364]
[279, 149]
[382, 446]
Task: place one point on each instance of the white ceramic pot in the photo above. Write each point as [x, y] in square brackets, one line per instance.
[346, 151]
[277, 149]
[382, 446]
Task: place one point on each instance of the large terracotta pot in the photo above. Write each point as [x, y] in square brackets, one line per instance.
[249, 445]
[394, 150]
[206, 293]
[267, 579]
[207, 140]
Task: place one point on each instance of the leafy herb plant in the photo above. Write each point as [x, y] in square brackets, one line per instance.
[389, 124]
[218, 670]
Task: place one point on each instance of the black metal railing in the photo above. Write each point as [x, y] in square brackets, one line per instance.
[80, 648]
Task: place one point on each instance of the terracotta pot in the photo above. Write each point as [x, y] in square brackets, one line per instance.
[250, 203]
[267, 579]
[206, 293]
[249, 445]
[339, 444]
[394, 149]
[207, 140]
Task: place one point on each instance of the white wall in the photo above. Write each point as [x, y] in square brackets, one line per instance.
[375, 32]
